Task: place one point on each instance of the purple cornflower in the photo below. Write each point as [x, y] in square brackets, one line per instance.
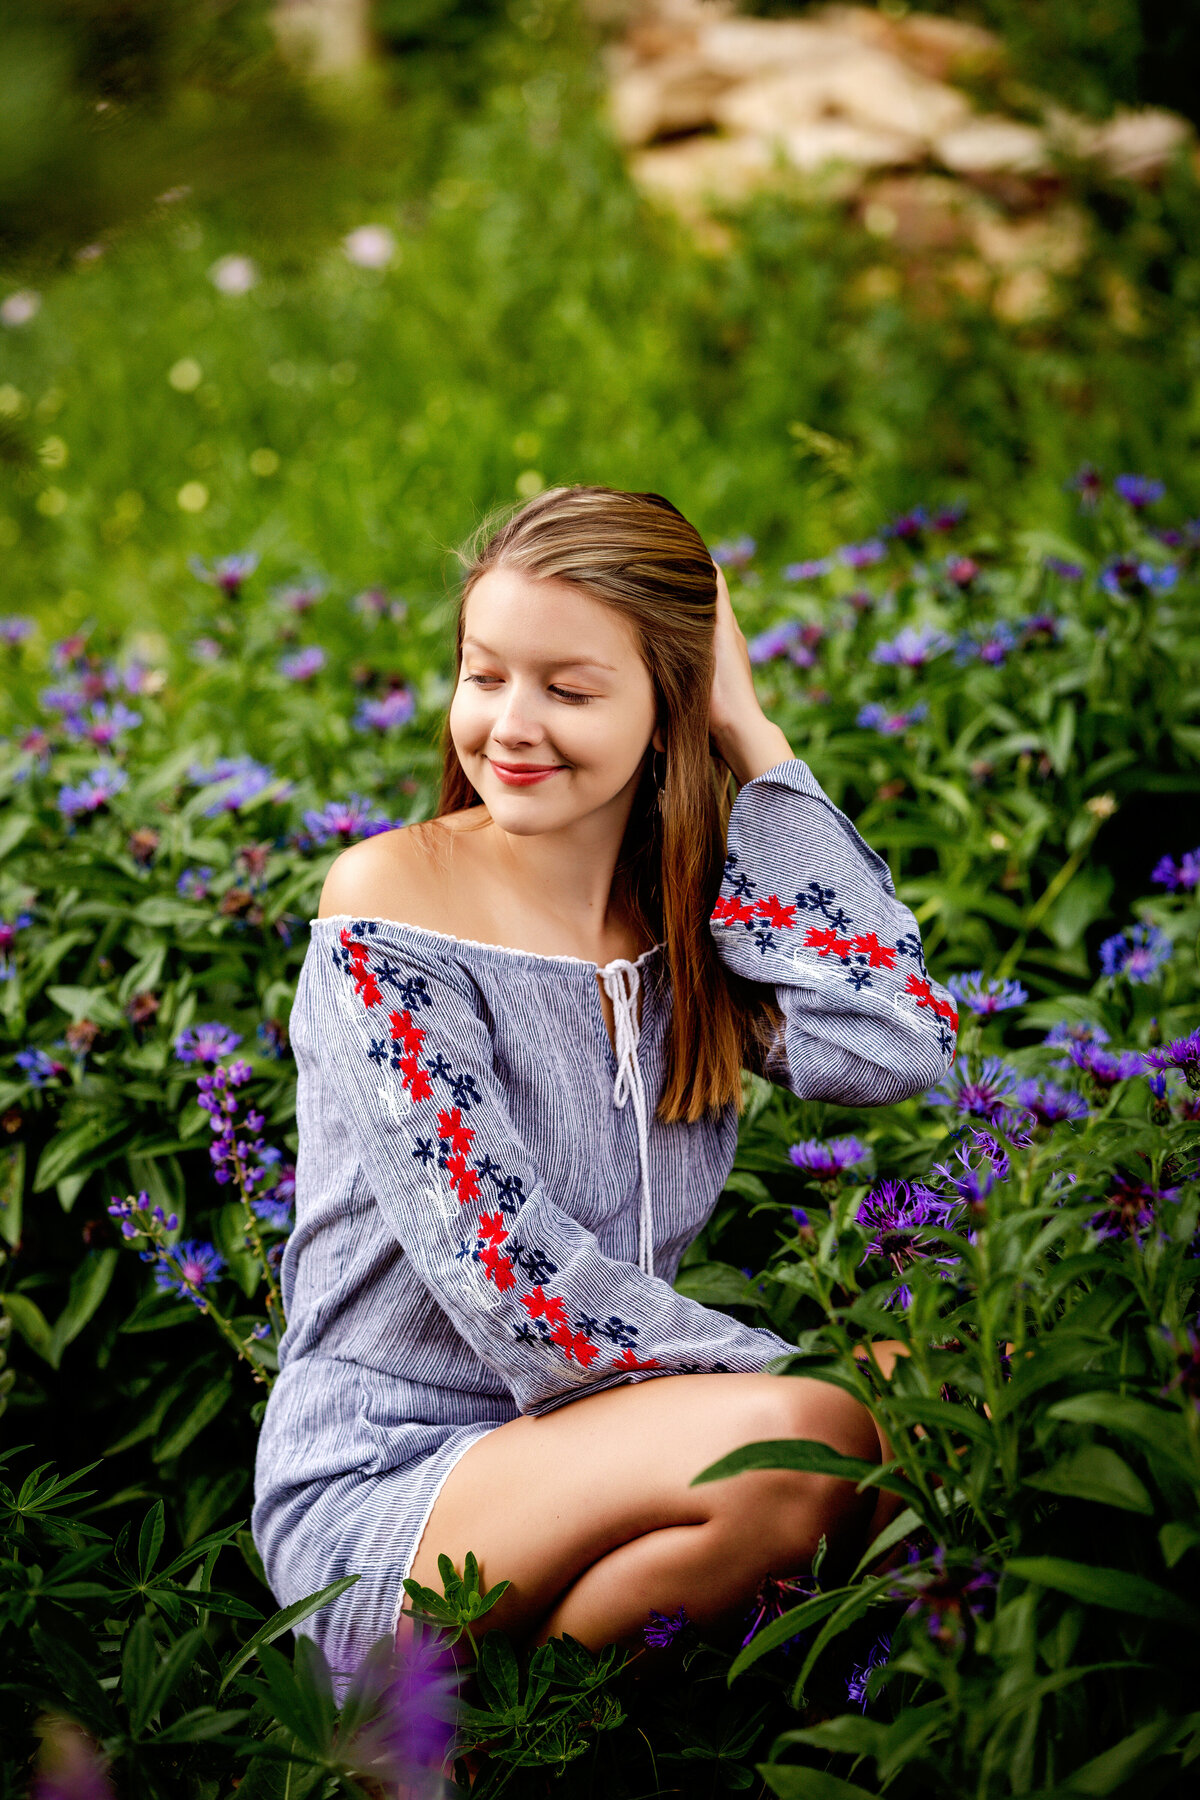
[275, 1209]
[984, 1096]
[38, 1067]
[1160, 1099]
[863, 556]
[1179, 877]
[1139, 491]
[68, 702]
[1050, 1105]
[205, 1043]
[990, 644]
[895, 1216]
[71, 1766]
[1043, 627]
[187, 1269]
[303, 664]
[1128, 1208]
[1126, 577]
[8, 937]
[1137, 953]
[237, 1152]
[193, 883]
[947, 517]
[826, 1161]
[229, 573]
[1066, 571]
[342, 820]
[104, 725]
[397, 1715]
[376, 602]
[858, 1682]
[1183, 1054]
[986, 997]
[665, 1629]
[734, 553]
[775, 641]
[948, 1596]
[888, 724]
[1107, 1067]
[912, 647]
[301, 597]
[93, 792]
[808, 571]
[1069, 1032]
[236, 779]
[972, 1182]
[909, 525]
[771, 1601]
[1088, 484]
[15, 629]
[396, 708]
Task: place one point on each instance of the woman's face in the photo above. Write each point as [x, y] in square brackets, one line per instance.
[555, 709]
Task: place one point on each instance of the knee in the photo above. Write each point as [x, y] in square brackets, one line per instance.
[799, 1407]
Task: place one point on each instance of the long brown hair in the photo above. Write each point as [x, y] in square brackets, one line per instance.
[637, 553]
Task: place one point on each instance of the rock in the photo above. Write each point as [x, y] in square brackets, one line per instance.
[848, 83]
[1139, 145]
[675, 94]
[940, 48]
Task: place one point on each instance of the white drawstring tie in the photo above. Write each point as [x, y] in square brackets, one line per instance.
[621, 981]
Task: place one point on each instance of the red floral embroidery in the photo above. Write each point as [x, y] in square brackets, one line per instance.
[783, 918]
[492, 1227]
[879, 956]
[733, 911]
[405, 1032]
[575, 1344]
[414, 1078]
[924, 995]
[827, 942]
[499, 1268]
[542, 1306]
[365, 984]
[450, 1126]
[627, 1360]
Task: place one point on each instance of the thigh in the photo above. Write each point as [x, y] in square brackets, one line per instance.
[538, 1501]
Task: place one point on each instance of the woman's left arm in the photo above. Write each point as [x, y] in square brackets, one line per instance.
[807, 906]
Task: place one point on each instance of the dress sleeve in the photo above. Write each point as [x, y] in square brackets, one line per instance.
[410, 1058]
[807, 906]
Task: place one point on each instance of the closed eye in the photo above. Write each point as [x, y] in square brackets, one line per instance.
[568, 694]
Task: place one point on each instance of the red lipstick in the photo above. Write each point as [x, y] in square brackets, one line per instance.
[523, 774]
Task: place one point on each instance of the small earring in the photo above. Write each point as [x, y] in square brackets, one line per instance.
[659, 778]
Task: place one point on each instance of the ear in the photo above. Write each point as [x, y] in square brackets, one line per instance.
[658, 741]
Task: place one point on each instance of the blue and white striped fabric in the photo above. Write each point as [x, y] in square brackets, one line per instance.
[472, 1186]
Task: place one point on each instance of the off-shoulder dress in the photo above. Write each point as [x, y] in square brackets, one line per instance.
[489, 1217]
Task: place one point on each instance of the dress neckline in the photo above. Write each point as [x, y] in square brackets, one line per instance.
[445, 937]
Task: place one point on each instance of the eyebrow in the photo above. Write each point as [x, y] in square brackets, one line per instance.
[547, 662]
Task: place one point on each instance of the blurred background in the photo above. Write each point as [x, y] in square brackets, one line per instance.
[327, 279]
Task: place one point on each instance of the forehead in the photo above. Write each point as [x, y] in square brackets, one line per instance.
[514, 613]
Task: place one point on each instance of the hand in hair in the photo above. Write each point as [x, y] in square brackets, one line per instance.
[742, 736]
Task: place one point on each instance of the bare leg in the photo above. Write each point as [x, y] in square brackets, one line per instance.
[588, 1511]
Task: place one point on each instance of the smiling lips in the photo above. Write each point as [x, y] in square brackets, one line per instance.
[524, 774]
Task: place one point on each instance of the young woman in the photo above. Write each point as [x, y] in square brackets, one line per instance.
[520, 1031]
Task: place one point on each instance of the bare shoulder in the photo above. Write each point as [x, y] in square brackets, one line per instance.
[402, 874]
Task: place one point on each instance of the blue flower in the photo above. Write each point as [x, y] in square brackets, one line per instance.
[1183, 1054]
[909, 525]
[303, 664]
[912, 647]
[229, 573]
[986, 997]
[1125, 577]
[984, 1096]
[93, 792]
[395, 708]
[858, 1681]
[187, 1269]
[236, 779]
[827, 1160]
[775, 641]
[863, 556]
[342, 820]
[1107, 1067]
[193, 883]
[14, 629]
[1179, 877]
[1050, 1105]
[1066, 571]
[808, 571]
[206, 1043]
[664, 1630]
[735, 553]
[38, 1067]
[1138, 491]
[888, 724]
[1137, 953]
[990, 644]
[1088, 484]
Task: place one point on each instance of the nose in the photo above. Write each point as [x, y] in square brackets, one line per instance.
[517, 722]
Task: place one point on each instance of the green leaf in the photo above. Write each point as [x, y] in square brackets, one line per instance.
[150, 1700]
[1176, 1539]
[1095, 1473]
[150, 1540]
[848, 1733]
[209, 1404]
[1116, 1589]
[12, 1184]
[139, 1660]
[808, 1456]
[78, 1145]
[89, 1284]
[797, 1618]
[1159, 1428]
[33, 1326]
[715, 1284]
[809, 1784]
[1114, 1767]
[87, 1003]
[292, 1615]
[890, 1536]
